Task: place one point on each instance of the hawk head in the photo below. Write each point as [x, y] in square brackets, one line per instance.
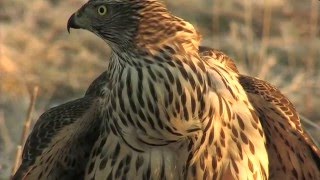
[128, 24]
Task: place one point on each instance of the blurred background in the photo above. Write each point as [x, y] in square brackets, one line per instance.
[275, 40]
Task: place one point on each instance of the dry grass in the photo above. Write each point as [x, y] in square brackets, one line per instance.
[26, 130]
[276, 40]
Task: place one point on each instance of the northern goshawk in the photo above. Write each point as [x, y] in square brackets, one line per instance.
[169, 113]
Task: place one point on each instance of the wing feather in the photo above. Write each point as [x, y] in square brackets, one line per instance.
[48, 126]
[291, 151]
[285, 136]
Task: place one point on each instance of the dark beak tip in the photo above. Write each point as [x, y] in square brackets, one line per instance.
[71, 23]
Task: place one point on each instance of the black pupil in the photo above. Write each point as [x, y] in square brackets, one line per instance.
[101, 10]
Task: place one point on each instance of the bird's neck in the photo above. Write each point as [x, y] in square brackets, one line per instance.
[164, 29]
[157, 85]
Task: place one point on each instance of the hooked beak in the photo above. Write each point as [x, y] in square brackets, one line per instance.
[72, 23]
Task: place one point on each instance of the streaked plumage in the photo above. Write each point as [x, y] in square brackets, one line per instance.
[169, 113]
[282, 127]
[61, 140]
[292, 153]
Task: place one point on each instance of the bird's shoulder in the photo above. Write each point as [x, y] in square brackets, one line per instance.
[210, 54]
[277, 111]
[96, 88]
[264, 94]
[266, 98]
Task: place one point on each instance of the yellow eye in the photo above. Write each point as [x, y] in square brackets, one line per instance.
[102, 10]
